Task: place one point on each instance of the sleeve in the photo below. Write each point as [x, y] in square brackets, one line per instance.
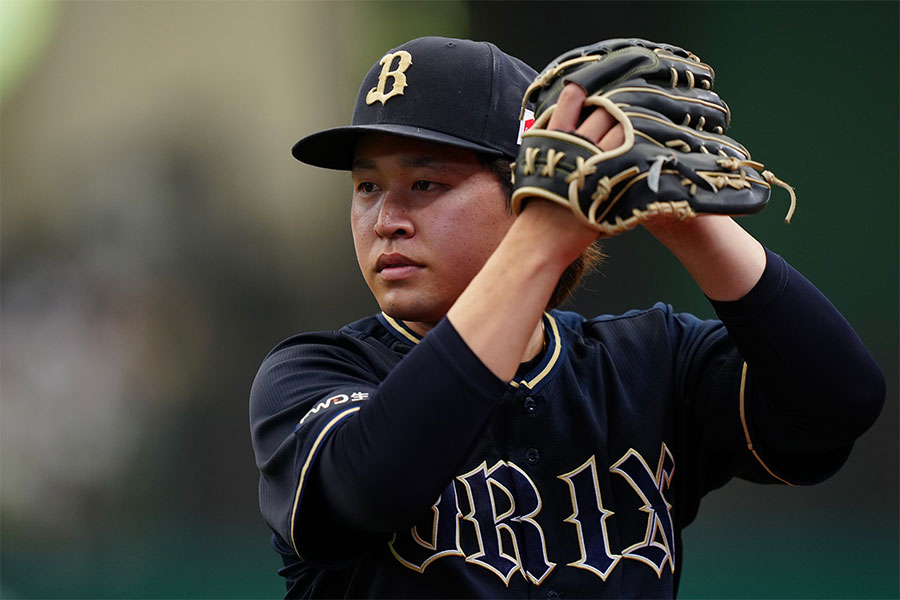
[808, 387]
[344, 456]
[304, 387]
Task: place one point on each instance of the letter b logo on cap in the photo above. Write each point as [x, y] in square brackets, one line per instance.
[376, 94]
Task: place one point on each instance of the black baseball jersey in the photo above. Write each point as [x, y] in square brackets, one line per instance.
[399, 466]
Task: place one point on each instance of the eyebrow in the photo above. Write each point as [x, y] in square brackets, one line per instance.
[414, 161]
[360, 164]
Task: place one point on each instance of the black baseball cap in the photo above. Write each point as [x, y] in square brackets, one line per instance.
[457, 92]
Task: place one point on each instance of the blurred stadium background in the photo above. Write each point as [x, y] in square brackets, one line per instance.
[158, 239]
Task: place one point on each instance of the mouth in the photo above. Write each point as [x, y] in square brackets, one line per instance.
[396, 266]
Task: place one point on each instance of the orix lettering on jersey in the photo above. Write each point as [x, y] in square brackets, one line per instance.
[502, 495]
[505, 550]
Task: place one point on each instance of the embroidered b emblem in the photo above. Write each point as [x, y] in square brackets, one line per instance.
[376, 94]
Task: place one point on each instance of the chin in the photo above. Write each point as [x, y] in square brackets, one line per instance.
[416, 311]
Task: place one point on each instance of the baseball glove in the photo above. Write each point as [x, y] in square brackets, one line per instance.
[676, 159]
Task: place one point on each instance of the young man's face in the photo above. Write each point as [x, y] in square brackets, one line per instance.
[425, 219]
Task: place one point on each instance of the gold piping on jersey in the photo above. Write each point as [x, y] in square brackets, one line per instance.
[747, 431]
[401, 329]
[305, 468]
[557, 348]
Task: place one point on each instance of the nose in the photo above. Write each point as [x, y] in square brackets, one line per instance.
[394, 219]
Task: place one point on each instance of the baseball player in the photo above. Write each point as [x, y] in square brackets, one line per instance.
[473, 440]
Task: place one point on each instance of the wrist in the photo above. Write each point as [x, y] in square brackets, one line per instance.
[724, 260]
[552, 234]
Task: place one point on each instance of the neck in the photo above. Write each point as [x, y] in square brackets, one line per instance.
[536, 343]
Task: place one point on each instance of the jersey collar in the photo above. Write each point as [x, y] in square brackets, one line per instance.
[550, 359]
[528, 380]
[399, 329]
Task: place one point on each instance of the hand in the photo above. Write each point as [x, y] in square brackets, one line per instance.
[599, 127]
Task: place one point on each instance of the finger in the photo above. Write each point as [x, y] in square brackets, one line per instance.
[597, 125]
[568, 108]
[614, 138]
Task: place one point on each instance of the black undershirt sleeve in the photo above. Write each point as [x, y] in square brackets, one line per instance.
[812, 386]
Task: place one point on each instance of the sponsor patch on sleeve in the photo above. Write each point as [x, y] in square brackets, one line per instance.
[335, 400]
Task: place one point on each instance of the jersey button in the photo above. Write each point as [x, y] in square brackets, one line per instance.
[530, 405]
[552, 595]
[532, 456]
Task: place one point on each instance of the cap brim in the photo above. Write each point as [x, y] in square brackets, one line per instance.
[334, 148]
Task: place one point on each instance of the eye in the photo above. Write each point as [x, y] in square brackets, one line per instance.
[366, 187]
[423, 185]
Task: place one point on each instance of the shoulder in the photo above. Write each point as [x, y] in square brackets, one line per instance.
[305, 368]
[657, 316]
[658, 324]
[314, 362]
[361, 338]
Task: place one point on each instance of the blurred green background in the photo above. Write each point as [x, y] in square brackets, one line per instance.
[158, 239]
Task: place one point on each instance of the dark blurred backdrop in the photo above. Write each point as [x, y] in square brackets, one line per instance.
[158, 239]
